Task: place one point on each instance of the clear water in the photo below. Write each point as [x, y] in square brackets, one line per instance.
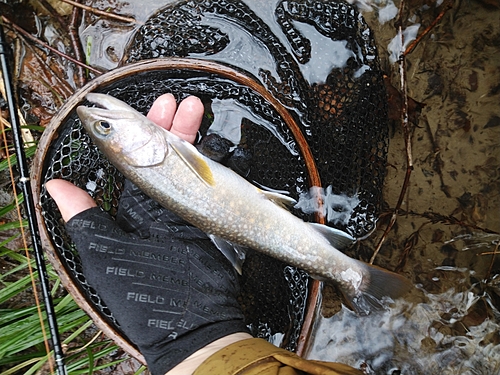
[450, 323]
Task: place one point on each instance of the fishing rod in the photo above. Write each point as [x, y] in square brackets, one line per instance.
[24, 181]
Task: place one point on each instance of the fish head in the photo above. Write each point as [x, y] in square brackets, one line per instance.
[120, 131]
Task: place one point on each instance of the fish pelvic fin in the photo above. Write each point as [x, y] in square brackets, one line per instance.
[378, 287]
[234, 253]
[337, 238]
[281, 200]
[194, 160]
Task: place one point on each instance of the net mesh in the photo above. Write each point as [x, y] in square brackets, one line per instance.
[343, 118]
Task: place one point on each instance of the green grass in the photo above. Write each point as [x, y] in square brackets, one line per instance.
[22, 348]
[22, 343]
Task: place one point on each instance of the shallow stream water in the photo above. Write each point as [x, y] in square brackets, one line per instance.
[450, 323]
[450, 217]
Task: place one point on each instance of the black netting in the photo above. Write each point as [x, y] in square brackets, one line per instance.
[74, 158]
[343, 118]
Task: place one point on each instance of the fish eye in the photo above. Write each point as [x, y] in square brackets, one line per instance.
[103, 127]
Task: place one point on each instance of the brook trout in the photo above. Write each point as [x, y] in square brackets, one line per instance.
[223, 204]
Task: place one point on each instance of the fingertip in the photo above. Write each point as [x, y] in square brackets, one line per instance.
[57, 187]
[188, 119]
[70, 199]
[163, 110]
[192, 104]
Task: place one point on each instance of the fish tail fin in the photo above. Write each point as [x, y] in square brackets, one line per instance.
[376, 287]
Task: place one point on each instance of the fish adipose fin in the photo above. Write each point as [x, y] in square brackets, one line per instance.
[281, 200]
[337, 238]
[377, 287]
[194, 160]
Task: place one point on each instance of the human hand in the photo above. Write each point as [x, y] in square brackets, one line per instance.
[169, 288]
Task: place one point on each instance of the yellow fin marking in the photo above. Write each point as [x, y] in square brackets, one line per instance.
[194, 161]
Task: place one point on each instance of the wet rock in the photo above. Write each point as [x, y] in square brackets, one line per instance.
[215, 147]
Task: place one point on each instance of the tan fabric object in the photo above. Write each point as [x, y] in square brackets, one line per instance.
[192, 362]
[259, 357]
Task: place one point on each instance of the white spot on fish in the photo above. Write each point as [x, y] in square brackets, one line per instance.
[352, 277]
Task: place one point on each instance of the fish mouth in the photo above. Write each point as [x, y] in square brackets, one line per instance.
[107, 102]
[85, 113]
[107, 108]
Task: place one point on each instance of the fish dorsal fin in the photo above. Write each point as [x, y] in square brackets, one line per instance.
[194, 160]
[281, 200]
[337, 238]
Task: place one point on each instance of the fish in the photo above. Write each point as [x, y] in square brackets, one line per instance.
[224, 205]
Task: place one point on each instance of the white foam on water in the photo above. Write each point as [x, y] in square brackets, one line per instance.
[337, 208]
[396, 48]
[415, 338]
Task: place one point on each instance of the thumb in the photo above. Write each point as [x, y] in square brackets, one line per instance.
[70, 200]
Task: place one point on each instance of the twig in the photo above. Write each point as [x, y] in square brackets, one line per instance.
[410, 243]
[495, 252]
[72, 34]
[62, 90]
[448, 5]
[75, 41]
[435, 218]
[84, 347]
[407, 135]
[450, 220]
[53, 13]
[102, 13]
[45, 45]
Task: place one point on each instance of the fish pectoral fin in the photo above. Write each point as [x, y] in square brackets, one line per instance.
[281, 200]
[234, 253]
[337, 238]
[194, 160]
